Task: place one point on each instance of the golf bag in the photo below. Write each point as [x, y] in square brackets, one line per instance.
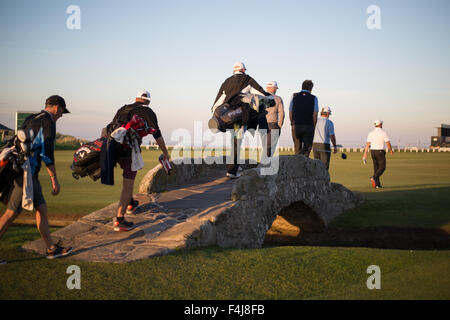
[243, 108]
[12, 157]
[86, 160]
[224, 117]
[7, 175]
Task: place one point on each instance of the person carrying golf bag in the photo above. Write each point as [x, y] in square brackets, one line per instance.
[144, 121]
[231, 113]
[37, 140]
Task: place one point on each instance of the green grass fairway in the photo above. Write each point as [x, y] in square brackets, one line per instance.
[416, 190]
[416, 195]
[268, 273]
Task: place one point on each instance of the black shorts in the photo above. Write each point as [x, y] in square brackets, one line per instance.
[15, 195]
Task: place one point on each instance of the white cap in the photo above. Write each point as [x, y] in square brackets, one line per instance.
[326, 109]
[272, 84]
[377, 122]
[238, 66]
[143, 95]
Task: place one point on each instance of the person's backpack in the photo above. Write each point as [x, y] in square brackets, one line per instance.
[86, 160]
[120, 119]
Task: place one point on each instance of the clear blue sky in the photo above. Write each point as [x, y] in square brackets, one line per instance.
[181, 51]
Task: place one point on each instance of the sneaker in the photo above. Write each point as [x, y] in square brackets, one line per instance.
[3, 262]
[233, 176]
[132, 207]
[122, 225]
[58, 251]
[374, 184]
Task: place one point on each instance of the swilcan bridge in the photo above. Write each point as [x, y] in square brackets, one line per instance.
[197, 206]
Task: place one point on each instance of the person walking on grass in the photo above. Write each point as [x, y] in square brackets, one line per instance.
[323, 134]
[43, 125]
[124, 116]
[376, 141]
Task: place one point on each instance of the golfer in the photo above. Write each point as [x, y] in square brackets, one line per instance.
[303, 110]
[43, 125]
[229, 93]
[323, 133]
[140, 108]
[275, 119]
[376, 141]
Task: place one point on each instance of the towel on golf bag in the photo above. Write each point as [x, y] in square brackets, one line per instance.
[27, 194]
[126, 137]
[129, 137]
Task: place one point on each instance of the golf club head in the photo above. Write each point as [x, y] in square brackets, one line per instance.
[343, 156]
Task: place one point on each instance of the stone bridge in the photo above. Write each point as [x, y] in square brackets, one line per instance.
[197, 206]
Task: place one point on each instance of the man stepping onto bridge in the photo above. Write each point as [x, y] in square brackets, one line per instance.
[144, 121]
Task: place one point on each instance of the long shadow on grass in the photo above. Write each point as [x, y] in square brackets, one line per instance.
[299, 225]
[381, 238]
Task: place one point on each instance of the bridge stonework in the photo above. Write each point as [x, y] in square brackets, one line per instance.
[256, 199]
[197, 206]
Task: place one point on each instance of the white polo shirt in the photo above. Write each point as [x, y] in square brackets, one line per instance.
[377, 138]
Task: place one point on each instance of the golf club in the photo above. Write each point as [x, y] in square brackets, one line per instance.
[343, 155]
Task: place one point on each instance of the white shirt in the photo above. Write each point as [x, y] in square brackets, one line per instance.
[324, 129]
[377, 138]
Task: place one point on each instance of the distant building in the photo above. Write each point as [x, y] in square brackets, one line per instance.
[443, 137]
[5, 133]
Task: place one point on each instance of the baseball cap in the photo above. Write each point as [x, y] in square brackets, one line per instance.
[144, 94]
[273, 84]
[56, 100]
[326, 110]
[238, 66]
[377, 122]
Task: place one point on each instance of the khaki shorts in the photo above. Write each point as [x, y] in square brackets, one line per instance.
[15, 195]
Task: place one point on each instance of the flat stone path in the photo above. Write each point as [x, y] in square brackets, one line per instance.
[162, 223]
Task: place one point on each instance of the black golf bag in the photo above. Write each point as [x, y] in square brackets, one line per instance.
[86, 160]
[244, 109]
[8, 172]
[224, 117]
